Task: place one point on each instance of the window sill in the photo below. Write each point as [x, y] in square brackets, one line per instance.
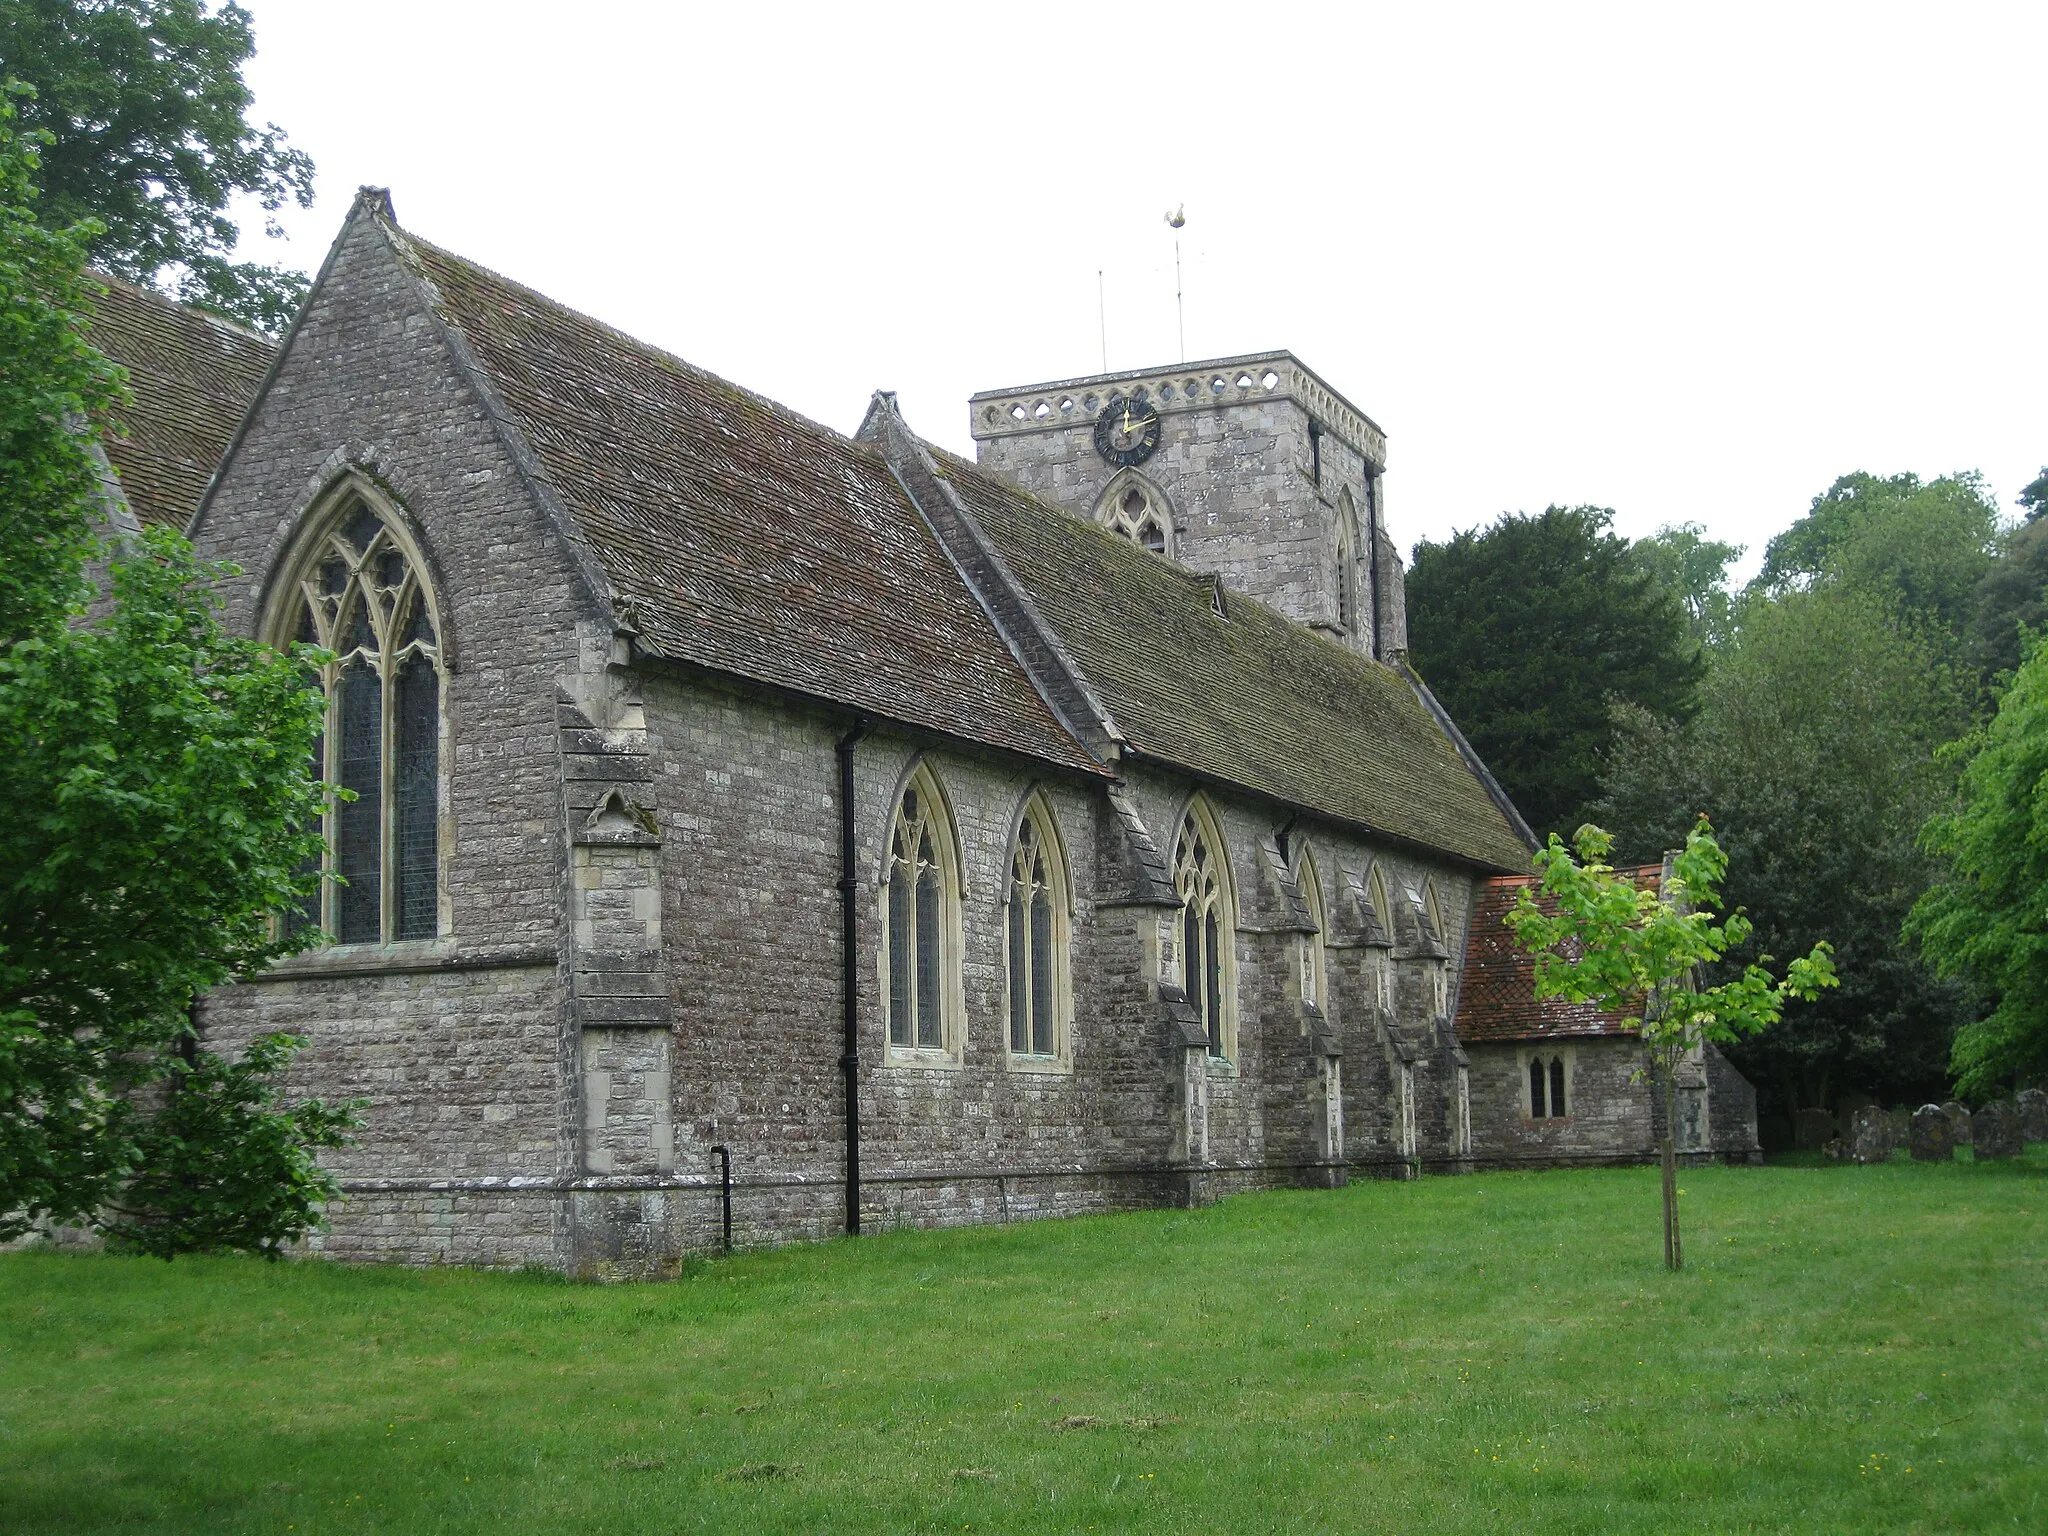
[407, 956]
[1222, 1066]
[928, 1058]
[1039, 1066]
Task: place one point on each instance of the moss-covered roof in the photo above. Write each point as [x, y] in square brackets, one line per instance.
[191, 378]
[747, 538]
[1242, 695]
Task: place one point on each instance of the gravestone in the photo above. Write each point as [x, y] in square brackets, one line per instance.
[1932, 1138]
[2033, 1105]
[1900, 1121]
[1999, 1132]
[1812, 1129]
[1870, 1135]
[1836, 1151]
[1959, 1121]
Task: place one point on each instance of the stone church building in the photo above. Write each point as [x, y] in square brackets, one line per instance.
[925, 841]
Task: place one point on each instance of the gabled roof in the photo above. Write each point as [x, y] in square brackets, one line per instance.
[192, 377]
[1216, 683]
[1497, 992]
[740, 536]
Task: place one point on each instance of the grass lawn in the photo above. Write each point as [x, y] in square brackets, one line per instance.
[1850, 1350]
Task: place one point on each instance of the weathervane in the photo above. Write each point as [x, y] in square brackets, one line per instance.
[1176, 216]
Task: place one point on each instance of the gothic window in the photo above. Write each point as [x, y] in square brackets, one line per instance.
[1439, 969]
[1382, 967]
[1036, 935]
[1547, 1088]
[1207, 929]
[1536, 1084]
[361, 593]
[1557, 1086]
[1134, 508]
[1346, 573]
[923, 903]
[1314, 958]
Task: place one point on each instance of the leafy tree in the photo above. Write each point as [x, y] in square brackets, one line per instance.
[147, 115]
[1920, 547]
[1816, 751]
[1528, 630]
[2034, 495]
[1600, 939]
[2011, 597]
[1988, 919]
[1694, 568]
[154, 771]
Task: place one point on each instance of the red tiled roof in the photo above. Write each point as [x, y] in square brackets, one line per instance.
[191, 377]
[1497, 993]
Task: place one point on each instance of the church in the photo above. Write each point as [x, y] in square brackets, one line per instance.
[758, 829]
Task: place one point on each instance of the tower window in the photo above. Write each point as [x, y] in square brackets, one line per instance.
[1135, 509]
[1315, 453]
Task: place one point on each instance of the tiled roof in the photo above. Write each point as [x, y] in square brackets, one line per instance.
[1497, 991]
[1241, 695]
[192, 377]
[746, 539]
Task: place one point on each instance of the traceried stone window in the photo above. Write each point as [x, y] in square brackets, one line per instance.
[1314, 957]
[1208, 928]
[1035, 937]
[360, 593]
[920, 949]
[1134, 508]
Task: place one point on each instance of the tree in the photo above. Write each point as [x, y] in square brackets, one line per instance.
[1988, 919]
[2011, 598]
[1921, 548]
[160, 811]
[2034, 495]
[1529, 630]
[1598, 938]
[1816, 752]
[1694, 569]
[147, 117]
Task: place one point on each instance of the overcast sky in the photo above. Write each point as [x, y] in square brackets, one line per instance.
[1690, 263]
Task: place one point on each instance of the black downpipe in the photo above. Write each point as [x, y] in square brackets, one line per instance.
[724, 1155]
[1372, 559]
[849, 974]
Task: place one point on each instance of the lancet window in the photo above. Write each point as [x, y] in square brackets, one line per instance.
[1207, 930]
[1036, 933]
[361, 594]
[1314, 960]
[923, 911]
[1346, 573]
[1547, 1088]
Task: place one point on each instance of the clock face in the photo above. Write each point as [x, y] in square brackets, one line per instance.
[1127, 431]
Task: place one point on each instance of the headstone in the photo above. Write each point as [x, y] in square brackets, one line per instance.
[1932, 1139]
[1958, 1120]
[1870, 1135]
[1836, 1151]
[1901, 1122]
[1812, 1129]
[1999, 1132]
[2033, 1105]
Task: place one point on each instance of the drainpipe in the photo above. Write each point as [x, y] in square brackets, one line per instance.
[1372, 560]
[849, 974]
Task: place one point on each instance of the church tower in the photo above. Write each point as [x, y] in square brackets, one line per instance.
[1249, 467]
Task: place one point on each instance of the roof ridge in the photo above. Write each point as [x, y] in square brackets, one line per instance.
[234, 328]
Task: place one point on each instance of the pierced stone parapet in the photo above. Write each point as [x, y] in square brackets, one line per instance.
[1068, 403]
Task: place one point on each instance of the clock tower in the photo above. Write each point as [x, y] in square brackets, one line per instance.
[1250, 467]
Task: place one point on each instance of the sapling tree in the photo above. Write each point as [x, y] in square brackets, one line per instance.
[1640, 951]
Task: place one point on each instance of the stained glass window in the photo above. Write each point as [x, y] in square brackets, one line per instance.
[1206, 930]
[920, 904]
[362, 597]
[1037, 902]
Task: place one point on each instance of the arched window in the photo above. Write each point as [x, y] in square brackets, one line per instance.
[1036, 935]
[1380, 961]
[1536, 1080]
[1557, 1086]
[1208, 929]
[1346, 573]
[1439, 968]
[358, 589]
[1314, 959]
[1134, 507]
[923, 901]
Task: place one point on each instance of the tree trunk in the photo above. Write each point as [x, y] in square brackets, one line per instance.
[1674, 1252]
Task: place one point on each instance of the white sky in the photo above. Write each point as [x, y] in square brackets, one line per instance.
[1688, 263]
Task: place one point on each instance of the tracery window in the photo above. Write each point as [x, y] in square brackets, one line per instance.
[1132, 508]
[1314, 959]
[1036, 932]
[1547, 1075]
[923, 912]
[1207, 930]
[361, 594]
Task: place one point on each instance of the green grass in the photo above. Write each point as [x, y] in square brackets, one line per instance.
[1850, 1350]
